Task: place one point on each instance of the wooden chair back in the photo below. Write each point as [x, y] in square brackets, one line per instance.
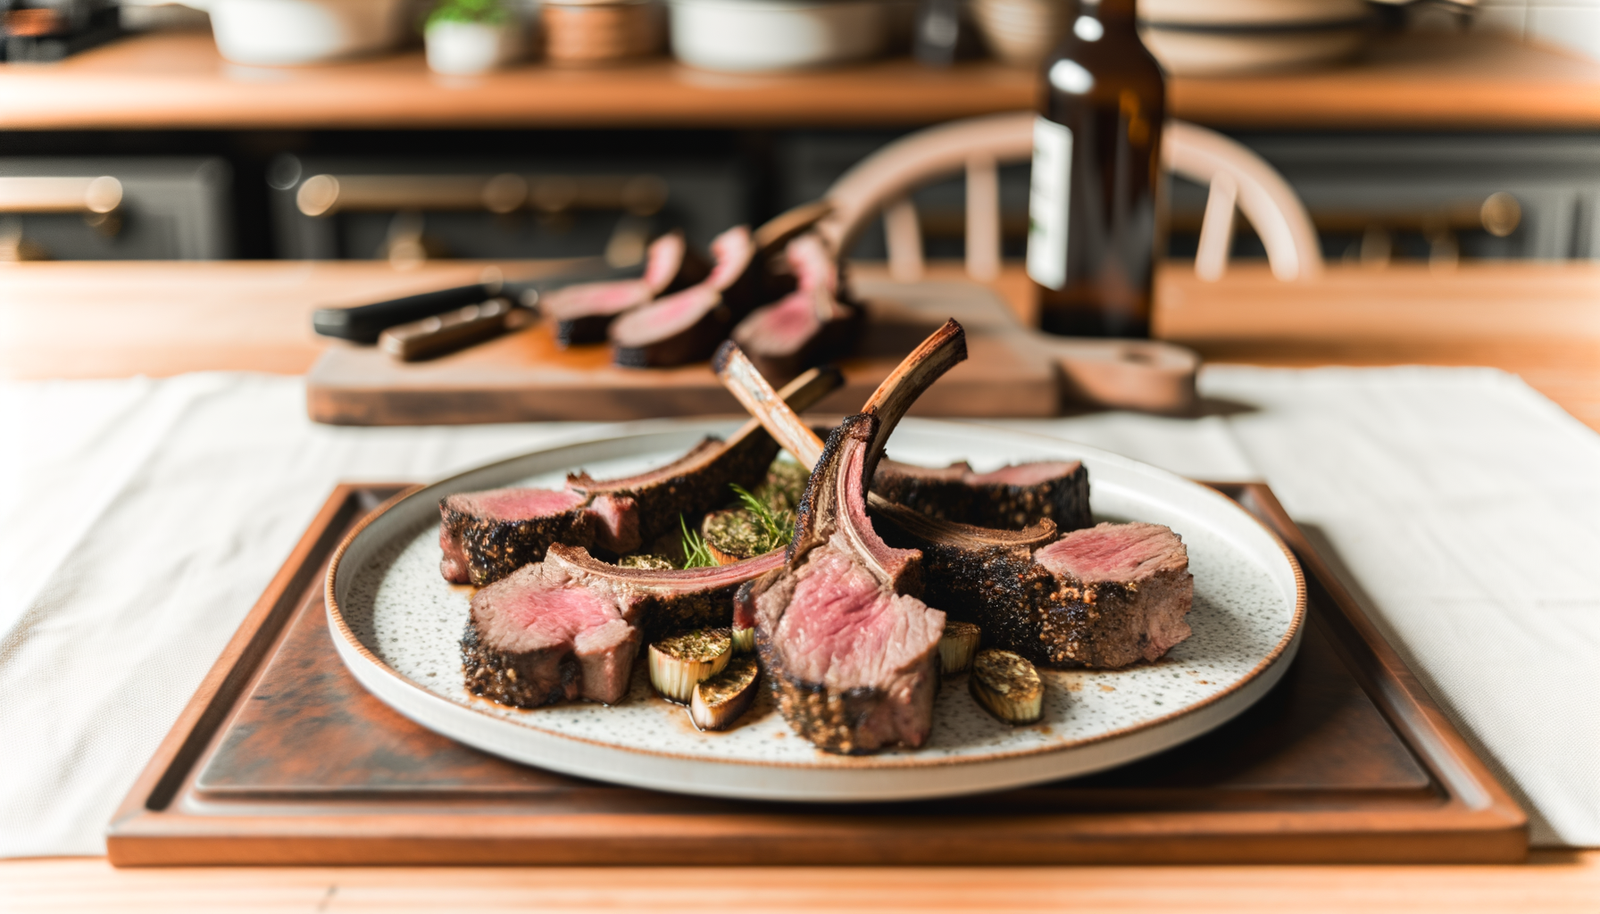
[1238, 178]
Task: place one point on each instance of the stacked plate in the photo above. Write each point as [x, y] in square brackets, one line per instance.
[1245, 36]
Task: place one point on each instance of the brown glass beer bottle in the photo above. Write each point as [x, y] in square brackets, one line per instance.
[1092, 226]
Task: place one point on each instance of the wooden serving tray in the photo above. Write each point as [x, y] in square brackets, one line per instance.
[282, 758]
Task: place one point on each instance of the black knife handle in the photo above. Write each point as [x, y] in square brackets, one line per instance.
[363, 323]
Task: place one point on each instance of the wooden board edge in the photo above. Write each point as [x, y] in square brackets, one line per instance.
[1473, 791]
[211, 702]
[321, 849]
[143, 833]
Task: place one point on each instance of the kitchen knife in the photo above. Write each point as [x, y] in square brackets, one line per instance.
[449, 331]
[363, 323]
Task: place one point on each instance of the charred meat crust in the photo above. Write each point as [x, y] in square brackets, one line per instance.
[514, 679]
[1051, 618]
[670, 600]
[488, 549]
[483, 548]
[841, 713]
[660, 496]
[953, 494]
[967, 567]
[570, 627]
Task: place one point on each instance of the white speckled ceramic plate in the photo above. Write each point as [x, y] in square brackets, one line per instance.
[397, 625]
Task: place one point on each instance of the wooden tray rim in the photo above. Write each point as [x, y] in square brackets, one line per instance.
[1478, 822]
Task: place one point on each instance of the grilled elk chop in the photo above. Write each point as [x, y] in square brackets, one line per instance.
[851, 652]
[488, 535]
[1102, 597]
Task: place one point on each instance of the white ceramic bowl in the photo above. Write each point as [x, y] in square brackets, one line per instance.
[1251, 13]
[289, 32]
[1185, 52]
[1221, 37]
[466, 48]
[756, 35]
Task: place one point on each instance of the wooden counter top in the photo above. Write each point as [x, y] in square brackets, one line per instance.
[175, 80]
[1552, 881]
[1538, 320]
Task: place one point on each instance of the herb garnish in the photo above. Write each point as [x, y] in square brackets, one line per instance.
[695, 553]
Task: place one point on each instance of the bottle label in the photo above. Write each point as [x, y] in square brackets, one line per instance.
[1048, 196]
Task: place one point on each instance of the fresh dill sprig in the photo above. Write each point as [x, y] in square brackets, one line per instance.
[695, 553]
[776, 526]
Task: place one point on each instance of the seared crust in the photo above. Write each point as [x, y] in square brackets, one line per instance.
[514, 679]
[662, 500]
[1064, 500]
[1021, 606]
[827, 719]
[1105, 626]
[851, 721]
[495, 548]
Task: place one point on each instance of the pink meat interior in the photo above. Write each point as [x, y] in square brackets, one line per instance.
[516, 504]
[853, 515]
[540, 608]
[662, 261]
[733, 251]
[955, 472]
[843, 629]
[666, 316]
[813, 267]
[1026, 474]
[1115, 552]
[781, 327]
[597, 298]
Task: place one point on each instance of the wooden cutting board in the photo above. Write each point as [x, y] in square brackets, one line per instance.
[523, 376]
[283, 758]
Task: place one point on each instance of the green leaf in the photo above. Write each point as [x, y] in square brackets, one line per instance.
[776, 526]
[487, 12]
[695, 552]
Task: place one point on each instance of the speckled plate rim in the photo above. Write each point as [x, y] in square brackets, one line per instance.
[900, 776]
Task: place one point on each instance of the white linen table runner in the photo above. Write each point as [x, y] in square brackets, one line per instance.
[140, 519]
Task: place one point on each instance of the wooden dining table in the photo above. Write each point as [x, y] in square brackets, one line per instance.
[111, 320]
[1537, 320]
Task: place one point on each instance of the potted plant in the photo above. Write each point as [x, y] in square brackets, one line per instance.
[471, 36]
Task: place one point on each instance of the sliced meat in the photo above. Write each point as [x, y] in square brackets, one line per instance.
[851, 651]
[1010, 497]
[1118, 594]
[807, 326]
[1103, 597]
[582, 313]
[964, 567]
[485, 536]
[499, 526]
[570, 626]
[688, 325]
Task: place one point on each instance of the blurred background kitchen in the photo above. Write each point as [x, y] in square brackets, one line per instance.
[417, 130]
